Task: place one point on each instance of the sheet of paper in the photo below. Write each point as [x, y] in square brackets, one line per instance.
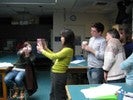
[6, 64]
[102, 90]
[77, 61]
[18, 69]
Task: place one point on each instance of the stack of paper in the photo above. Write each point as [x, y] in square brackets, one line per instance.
[6, 64]
[77, 61]
[18, 69]
[104, 90]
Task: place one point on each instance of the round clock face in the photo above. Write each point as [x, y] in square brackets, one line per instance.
[73, 18]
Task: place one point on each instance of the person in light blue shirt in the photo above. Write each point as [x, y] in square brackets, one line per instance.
[127, 65]
[95, 49]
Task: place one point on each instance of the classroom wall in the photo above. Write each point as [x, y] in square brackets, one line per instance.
[81, 26]
[18, 33]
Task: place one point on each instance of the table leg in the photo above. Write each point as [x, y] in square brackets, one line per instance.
[68, 94]
[4, 89]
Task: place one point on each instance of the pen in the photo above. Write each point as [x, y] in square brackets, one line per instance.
[128, 95]
[125, 93]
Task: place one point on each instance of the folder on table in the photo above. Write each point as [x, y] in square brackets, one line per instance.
[101, 92]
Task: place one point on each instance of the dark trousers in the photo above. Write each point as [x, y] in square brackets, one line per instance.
[58, 82]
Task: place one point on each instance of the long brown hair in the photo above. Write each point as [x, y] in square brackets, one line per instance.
[69, 36]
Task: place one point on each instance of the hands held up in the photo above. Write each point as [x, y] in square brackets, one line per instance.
[41, 45]
[84, 45]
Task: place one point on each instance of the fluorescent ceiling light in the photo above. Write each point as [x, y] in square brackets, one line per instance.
[29, 2]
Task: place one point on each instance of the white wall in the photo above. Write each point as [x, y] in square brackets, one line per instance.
[81, 26]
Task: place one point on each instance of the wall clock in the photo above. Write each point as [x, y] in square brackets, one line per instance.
[73, 17]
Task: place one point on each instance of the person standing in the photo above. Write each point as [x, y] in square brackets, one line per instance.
[127, 65]
[114, 55]
[126, 39]
[61, 61]
[95, 49]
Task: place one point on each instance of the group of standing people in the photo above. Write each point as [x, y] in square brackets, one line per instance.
[106, 56]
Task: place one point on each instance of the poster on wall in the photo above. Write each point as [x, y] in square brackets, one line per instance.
[57, 38]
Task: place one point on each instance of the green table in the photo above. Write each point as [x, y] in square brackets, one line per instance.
[74, 93]
[77, 73]
[78, 68]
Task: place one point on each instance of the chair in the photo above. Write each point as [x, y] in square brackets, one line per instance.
[30, 83]
[12, 91]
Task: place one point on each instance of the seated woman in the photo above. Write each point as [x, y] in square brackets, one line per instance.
[22, 70]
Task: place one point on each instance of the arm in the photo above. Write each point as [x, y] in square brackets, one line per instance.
[58, 55]
[127, 63]
[48, 50]
[98, 53]
[89, 49]
[43, 46]
[109, 57]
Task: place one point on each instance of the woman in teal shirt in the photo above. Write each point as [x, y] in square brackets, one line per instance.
[61, 61]
[127, 65]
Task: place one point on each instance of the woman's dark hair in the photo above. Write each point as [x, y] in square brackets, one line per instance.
[26, 43]
[128, 33]
[114, 33]
[69, 36]
[99, 26]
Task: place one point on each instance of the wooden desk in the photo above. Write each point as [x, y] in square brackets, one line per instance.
[10, 58]
[4, 89]
[74, 93]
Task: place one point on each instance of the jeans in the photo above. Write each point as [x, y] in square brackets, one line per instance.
[14, 77]
[58, 81]
[95, 75]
